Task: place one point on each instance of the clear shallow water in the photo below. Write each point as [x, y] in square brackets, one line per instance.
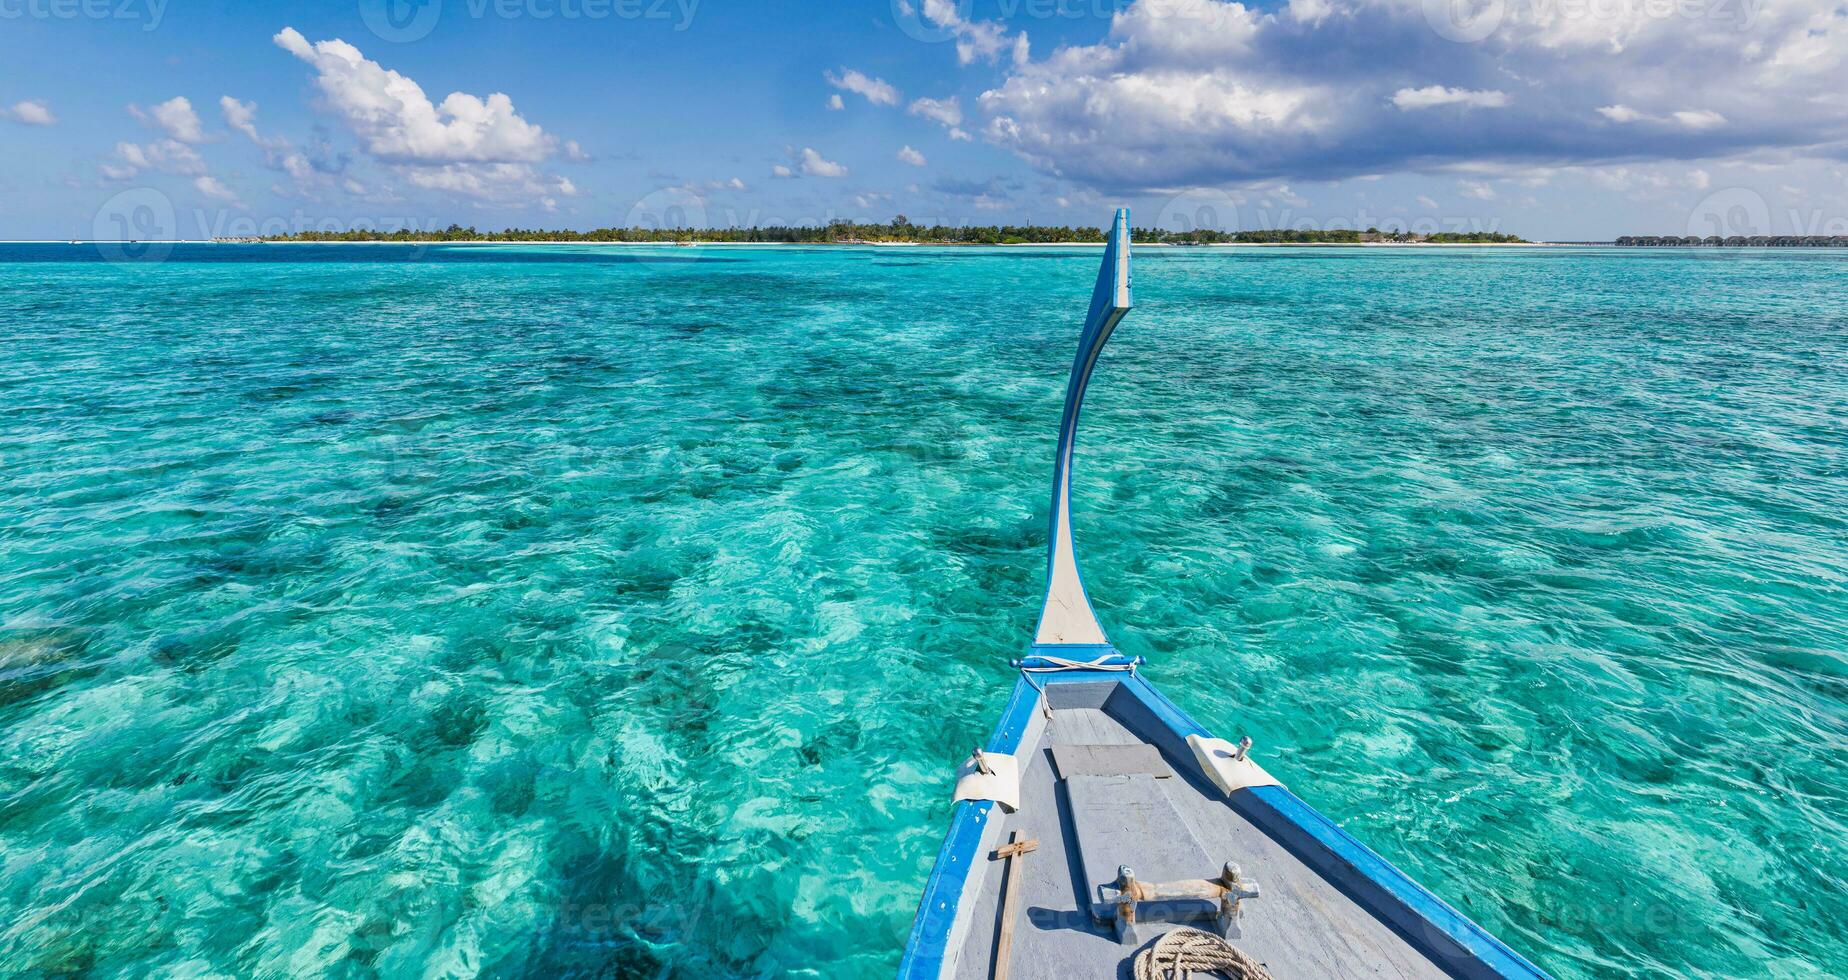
[539, 611]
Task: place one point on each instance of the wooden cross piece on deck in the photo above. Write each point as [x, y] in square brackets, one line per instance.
[1004, 943]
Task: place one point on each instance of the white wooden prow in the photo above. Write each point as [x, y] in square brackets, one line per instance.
[1067, 619]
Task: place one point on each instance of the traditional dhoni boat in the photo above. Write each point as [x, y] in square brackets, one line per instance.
[1101, 832]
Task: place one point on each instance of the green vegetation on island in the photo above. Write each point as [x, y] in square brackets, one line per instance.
[899, 230]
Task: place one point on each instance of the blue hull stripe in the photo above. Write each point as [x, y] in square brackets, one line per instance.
[1430, 924]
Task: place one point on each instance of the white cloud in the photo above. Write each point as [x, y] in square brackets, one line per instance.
[240, 116]
[1476, 190]
[175, 117]
[30, 112]
[576, 153]
[396, 122]
[948, 111]
[131, 155]
[1432, 96]
[1186, 93]
[211, 187]
[874, 90]
[781, 171]
[911, 156]
[1699, 118]
[494, 183]
[167, 156]
[835, 103]
[1684, 118]
[813, 165]
[175, 157]
[974, 39]
[958, 133]
[1426, 203]
[1699, 179]
[278, 152]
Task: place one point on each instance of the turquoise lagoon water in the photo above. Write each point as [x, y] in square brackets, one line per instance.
[541, 611]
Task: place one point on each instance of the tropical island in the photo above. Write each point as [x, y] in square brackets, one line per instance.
[901, 230]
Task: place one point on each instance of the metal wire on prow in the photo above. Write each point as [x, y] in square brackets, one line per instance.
[1184, 952]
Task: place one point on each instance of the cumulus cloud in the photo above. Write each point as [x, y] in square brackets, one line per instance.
[167, 156]
[1699, 118]
[494, 182]
[211, 187]
[947, 112]
[1184, 93]
[975, 39]
[240, 116]
[813, 165]
[278, 152]
[396, 122]
[1679, 118]
[30, 113]
[175, 117]
[874, 90]
[781, 172]
[466, 144]
[911, 156]
[1476, 190]
[835, 102]
[1432, 96]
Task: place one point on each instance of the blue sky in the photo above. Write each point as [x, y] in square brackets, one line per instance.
[1562, 119]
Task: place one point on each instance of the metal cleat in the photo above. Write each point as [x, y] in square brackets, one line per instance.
[1130, 903]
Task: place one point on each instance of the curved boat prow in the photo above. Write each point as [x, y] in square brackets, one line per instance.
[1092, 772]
[1066, 619]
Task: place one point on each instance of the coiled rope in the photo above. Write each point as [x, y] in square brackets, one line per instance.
[1183, 952]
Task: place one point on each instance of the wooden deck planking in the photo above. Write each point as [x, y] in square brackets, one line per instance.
[1301, 927]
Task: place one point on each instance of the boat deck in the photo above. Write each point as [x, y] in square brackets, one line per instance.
[1302, 925]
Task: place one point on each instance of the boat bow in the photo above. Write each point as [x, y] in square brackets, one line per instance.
[1068, 628]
